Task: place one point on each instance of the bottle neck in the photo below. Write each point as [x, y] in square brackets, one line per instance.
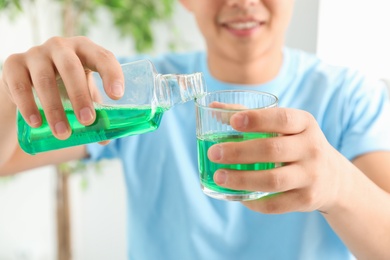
[172, 89]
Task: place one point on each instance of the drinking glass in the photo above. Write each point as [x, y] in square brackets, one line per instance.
[213, 112]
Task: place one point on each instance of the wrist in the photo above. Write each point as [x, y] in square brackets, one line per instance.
[345, 189]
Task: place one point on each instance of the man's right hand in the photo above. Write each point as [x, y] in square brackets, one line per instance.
[39, 68]
[70, 59]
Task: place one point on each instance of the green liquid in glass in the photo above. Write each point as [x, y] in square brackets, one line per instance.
[207, 168]
[110, 123]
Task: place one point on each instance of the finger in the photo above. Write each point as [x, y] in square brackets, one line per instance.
[75, 84]
[272, 149]
[277, 120]
[43, 78]
[105, 63]
[96, 94]
[284, 202]
[224, 111]
[227, 106]
[278, 179]
[20, 88]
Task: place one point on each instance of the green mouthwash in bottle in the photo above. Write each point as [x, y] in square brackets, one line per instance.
[147, 96]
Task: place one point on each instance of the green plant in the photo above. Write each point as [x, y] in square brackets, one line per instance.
[132, 18]
[12, 6]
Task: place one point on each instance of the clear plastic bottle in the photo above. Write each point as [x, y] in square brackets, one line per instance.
[147, 96]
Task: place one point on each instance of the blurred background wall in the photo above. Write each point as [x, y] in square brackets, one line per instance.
[345, 32]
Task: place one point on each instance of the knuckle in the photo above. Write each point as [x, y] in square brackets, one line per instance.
[273, 147]
[81, 38]
[231, 151]
[12, 60]
[285, 117]
[27, 106]
[55, 111]
[308, 199]
[55, 41]
[105, 54]
[275, 181]
[34, 51]
[12, 64]
[80, 97]
[46, 81]
[70, 63]
[270, 207]
[82, 41]
[309, 118]
[235, 153]
[316, 149]
[238, 181]
[20, 88]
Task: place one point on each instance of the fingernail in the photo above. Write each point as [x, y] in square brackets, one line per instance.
[215, 153]
[117, 89]
[86, 115]
[61, 128]
[241, 120]
[34, 120]
[220, 177]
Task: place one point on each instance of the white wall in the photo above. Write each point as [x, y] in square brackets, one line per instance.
[22, 32]
[99, 213]
[303, 29]
[26, 216]
[356, 33]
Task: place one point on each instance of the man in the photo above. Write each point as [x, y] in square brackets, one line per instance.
[335, 180]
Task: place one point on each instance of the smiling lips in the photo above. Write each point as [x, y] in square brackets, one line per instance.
[242, 25]
[243, 28]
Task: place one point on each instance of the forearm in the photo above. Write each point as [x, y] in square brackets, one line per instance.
[361, 217]
[8, 139]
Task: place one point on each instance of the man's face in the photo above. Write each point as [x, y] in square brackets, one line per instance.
[242, 29]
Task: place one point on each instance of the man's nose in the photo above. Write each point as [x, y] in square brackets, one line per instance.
[242, 3]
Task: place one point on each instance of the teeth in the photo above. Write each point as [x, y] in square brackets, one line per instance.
[242, 25]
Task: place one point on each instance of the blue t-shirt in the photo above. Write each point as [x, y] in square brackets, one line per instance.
[170, 217]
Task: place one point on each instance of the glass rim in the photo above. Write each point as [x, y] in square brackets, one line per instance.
[257, 92]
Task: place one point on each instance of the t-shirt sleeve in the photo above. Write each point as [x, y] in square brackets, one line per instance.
[367, 127]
